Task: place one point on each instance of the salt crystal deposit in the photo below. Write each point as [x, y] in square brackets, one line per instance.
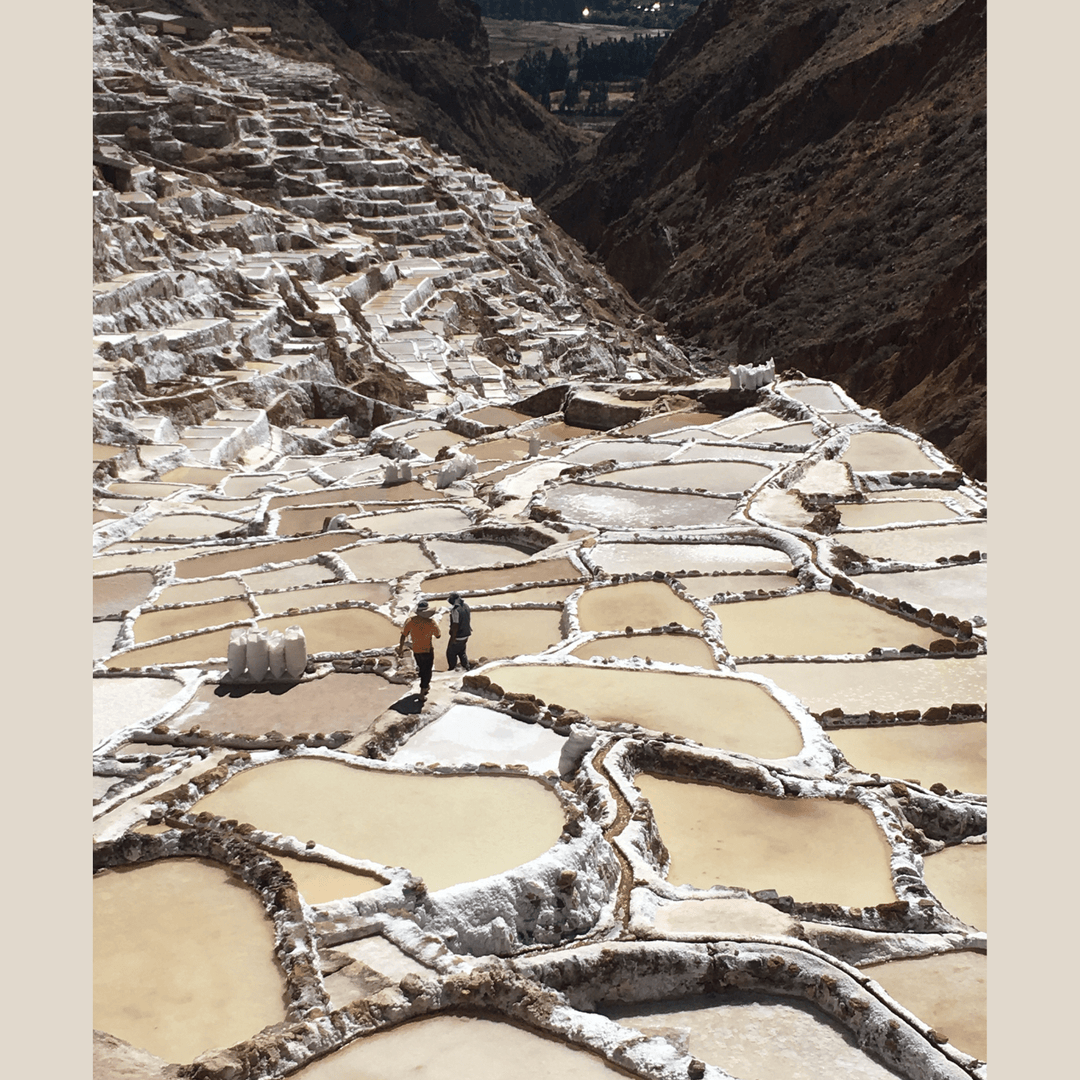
[337, 372]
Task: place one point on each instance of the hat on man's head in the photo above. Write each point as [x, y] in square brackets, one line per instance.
[423, 608]
[454, 596]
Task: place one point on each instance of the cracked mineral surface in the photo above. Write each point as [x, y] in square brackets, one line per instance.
[710, 802]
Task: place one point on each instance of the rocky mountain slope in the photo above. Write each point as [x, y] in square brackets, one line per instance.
[425, 63]
[809, 182]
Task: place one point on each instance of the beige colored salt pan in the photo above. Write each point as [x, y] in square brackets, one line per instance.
[185, 526]
[446, 829]
[385, 561]
[178, 994]
[462, 555]
[812, 849]
[300, 520]
[227, 560]
[374, 592]
[151, 625]
[454, 1047]
[814, 624]
[338, 630]
[953, 590]
[478, 580]
[637, 603]
[920, 544]
[728, 713]
[867, 515]
[190, 592]
[884, 451]
[289, 577]
[121, 592]
[319, 882]
[705, 588]
[948, 992]
[498, 634]
[613, 508]
[714, 476]
[957, 877]
[406, 522]
[623, 558]
[662, 648]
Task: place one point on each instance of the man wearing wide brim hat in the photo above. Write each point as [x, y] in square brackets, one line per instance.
[421, 628]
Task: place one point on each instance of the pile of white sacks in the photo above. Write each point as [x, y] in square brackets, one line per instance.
[744, 377]
[263, 654]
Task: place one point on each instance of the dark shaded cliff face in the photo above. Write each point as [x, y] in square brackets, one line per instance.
[807, 181]
[425, 62]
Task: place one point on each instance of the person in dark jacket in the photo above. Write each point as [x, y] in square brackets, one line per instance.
[460, 629]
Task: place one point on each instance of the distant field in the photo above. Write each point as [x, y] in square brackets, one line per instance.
[511, 38]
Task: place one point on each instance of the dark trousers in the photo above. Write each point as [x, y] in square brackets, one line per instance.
[424, 663]
[455, 650]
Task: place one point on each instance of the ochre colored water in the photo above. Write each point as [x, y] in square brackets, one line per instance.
[811, 849]
[410, 491]
[558, 431]
[338, 630]
[493, 415]
[499, 634]
[614, 508]
[375, 592]
[756, 1036]
[227, 506]
[884, 685]
[190, 474]
[948, 992]
[478, 580]
[102, 452]
[151, 625]
[920, 544]
[437, 519]
[195, 649]
[132, 557]
[321, 496]
[726, 917]
[431, 442]
[954, 590]
[297, 522]
[461, 555]
[620, 558]
[500, 450]
[121, 592]
[542, 594]
[731, 714]
[883, 451]
[814, 624]
[950, 754]
[670, 421]
[816, 396]
[385, 561]
[229, 559]
[189, 592]
[957, 877]
[663, 648]
[184, 526]
[454, 1047]
[867, 515]
[641, 604]
[800, 434]
[618, 450]
[715, 476]
[447, 829]
[147, 489]
[707, 587]
[241, 486]
[319, 882]
[177, 994]
[289, 577]
[745, 422]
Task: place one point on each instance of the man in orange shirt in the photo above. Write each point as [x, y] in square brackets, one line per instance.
[421, 628]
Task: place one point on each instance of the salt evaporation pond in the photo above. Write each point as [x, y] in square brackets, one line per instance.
[301, 521]
[640, 604]
[178, 994]
[482, 580]
[705, 588]
[121, 701]
[949, 754]
[339, 630]
[452, 1047]
[184, 527]
[717, 476]
[319, 882]
[542, 594]
[500, 450]
[431, 442]
[195, 649]
[435, 519]
[866, 515]
[628, 558]
[374, 592]
[667, 421]
[385, 561]
[818, 850]
[745, 423]
[663, 648]
[884, 451]
[800, 434]
[288, 577]
[617, 450]
[957, 877]
[814, 624]
[728, 713]
[192, 591]
[462, 555]
[499, 634]
[756, 1036]
[165, 622]
[883, 685]
[227, 560]
[817, 396]
[954, 590]
[445, 829]
[612, 508]
[121, 592]
[948, 992]
[919, 544]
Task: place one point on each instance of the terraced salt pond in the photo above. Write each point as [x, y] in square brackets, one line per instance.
[662, 648]
[811, 849]
[445, 829]
[410, 522]
[956, 875]
[373, 592]
[814, 624]
[451, 1047]
[919, 544]
[884, 685]
[754, 1035]
[631, 558]
[121, 592]
[179, 994]
[168, 621]
[715, 476]
[867, 515]
[953, 590]
[319, 882]
[884, 451]
[612, 508]
[636, 603]
[498, 634]
[728, 713]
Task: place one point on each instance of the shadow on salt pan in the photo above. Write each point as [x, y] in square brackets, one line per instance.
[468, 735]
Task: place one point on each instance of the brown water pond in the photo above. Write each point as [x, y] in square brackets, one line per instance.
[145, 489]
[176, 994]
[319, 882]
[499, 634]
[954, 590]
[727, 713]
[184, 526]
[453, 1047]
[121, 592]
[196, 649]
[338, 630]
[542, 594]
[240, 486]
[705, 588]
[431, 442]
[289, 577]
[663, 648]
[137, 557]
[509, 449]
[814, 624]
[641, 604]
[885, 451]
[950, 754]
[669, 421]
[884, 685]
[301, 520]
[188, 592]
[948, 992]
[812, 849]
[539, 570]
[558, 431]
[867, 515]
[496, 415]
[151, 625]
[436, 519]
[754, 1035]
[385, 561]
[625, 558]
[799, 434]
[920, 544]
[204, 476]
[446, 829]
[816, 396]
[620, 450]
[957, 877]
[463, 555]
[613, 508]
[374, 592]
[227, 560]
